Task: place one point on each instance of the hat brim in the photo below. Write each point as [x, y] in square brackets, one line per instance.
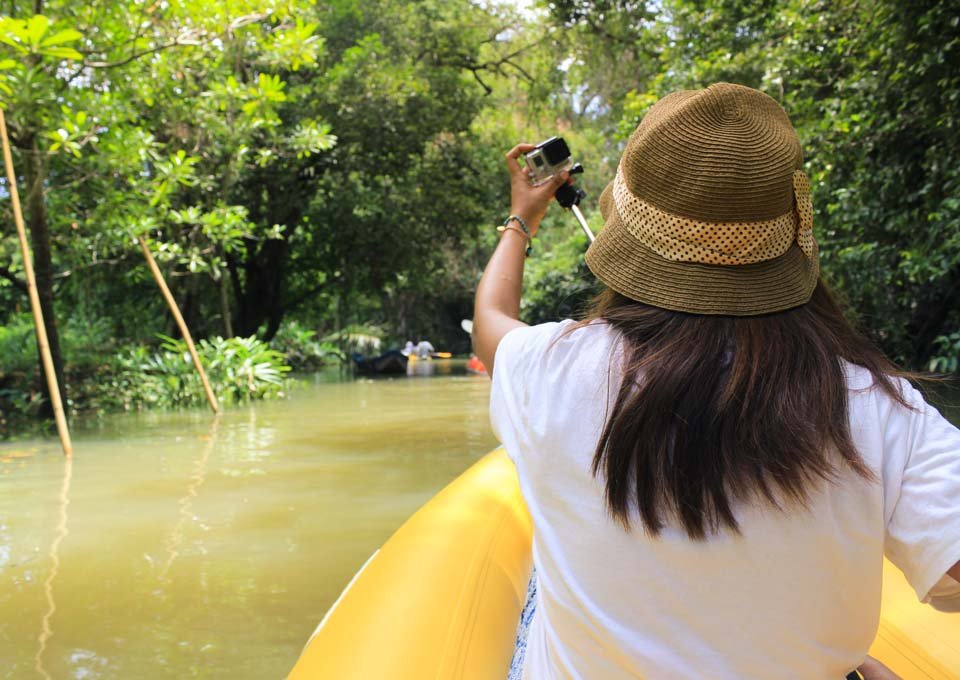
[621, 262]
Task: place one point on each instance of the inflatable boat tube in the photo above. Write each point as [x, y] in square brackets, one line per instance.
[441, 599]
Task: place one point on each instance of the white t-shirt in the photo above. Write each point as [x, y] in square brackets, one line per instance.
[797, 595]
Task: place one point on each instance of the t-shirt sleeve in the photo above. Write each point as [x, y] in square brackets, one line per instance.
[514, 371]
[923, 533]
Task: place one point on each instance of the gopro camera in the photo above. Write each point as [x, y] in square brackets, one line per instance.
[548, 159]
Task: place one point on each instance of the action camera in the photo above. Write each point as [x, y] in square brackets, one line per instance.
[548, 159]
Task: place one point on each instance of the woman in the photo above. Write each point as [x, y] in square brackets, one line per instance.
[714, 460]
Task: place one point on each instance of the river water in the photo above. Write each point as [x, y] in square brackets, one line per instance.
[177, 545]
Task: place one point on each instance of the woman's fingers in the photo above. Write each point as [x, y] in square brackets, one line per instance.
[526, 199]
[871, 669]
[519, 149]
[513, 154]
[554, 183]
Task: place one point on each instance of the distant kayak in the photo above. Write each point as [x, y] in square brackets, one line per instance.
[432, 355]
[442, 598]
[393, 362]
[474, 365]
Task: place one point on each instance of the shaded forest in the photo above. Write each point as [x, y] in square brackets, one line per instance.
[314, 176]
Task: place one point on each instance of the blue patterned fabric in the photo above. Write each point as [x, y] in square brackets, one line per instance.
[523, 628]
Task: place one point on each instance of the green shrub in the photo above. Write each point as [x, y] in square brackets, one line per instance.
[240, 370]
[558, 284]
[243, 369]
[303, 350]
[20, 397]
[18, 347]
[947, 359]
[362, 338]
[134, 377]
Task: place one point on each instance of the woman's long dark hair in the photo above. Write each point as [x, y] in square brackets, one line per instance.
[718, 409]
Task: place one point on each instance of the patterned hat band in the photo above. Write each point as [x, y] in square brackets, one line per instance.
[685, 239]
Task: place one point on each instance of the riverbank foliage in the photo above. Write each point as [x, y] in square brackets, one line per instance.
[124, 377]
[338, 163]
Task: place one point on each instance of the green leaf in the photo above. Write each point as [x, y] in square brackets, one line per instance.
[13, 40]
[36, 26]
[68, 35]
[62, 53]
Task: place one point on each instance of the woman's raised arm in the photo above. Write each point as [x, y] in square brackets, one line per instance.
[496, 308]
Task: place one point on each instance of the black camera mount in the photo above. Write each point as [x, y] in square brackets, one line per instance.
[569, 195]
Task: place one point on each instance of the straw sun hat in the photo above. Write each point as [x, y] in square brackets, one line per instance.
[710, 211]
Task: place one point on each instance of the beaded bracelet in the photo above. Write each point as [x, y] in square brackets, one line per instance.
[525, 232]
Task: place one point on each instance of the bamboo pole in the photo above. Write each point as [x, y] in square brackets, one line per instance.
[175, 310]
[42, 342]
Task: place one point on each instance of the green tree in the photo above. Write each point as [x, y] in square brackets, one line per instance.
[279, 157]
[72, 92]
[871, 87]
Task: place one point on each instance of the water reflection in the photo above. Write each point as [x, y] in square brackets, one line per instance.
[427, 367]
[46, 625]
[213, 550]
[186, 502]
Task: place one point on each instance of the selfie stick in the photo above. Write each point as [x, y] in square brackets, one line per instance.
[570, 196]
[583, 223]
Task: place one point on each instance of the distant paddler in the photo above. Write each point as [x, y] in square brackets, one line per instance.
[423, 350]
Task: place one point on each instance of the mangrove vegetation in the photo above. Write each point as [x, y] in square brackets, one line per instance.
[315, 175]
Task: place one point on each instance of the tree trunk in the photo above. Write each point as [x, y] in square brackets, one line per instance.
[35, 175]
[225, 306]
[261, 300]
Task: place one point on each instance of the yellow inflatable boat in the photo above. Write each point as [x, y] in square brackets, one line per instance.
[441, 599]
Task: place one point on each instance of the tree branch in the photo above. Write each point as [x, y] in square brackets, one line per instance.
[496, 66]
[192, 37]
[87, 265]
[186, 38]
[476, 76]
[522, 70]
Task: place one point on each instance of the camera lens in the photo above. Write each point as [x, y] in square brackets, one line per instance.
[556, 150]
[538, 160]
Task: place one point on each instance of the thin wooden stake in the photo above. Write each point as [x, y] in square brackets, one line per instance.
[180, 322]
[52, 386]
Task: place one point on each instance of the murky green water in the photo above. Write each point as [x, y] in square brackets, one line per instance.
[179, 546]
[176, 546]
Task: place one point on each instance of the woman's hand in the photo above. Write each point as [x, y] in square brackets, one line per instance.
[528, 202]
[871, 669]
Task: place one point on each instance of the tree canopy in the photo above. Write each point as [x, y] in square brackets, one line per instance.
[339, 163]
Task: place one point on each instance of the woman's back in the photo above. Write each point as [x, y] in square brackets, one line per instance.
[795, 594]
[716, 460]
